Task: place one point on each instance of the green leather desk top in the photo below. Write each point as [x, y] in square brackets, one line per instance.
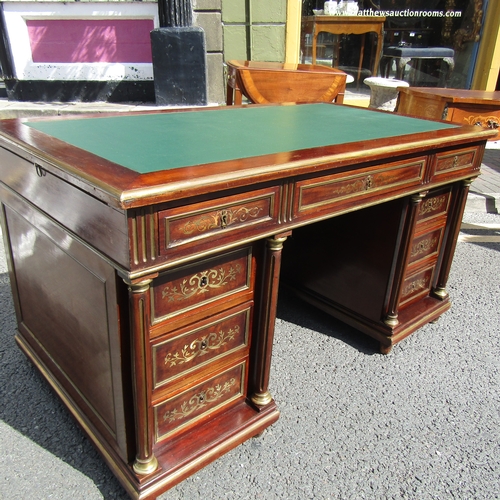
[154, 142]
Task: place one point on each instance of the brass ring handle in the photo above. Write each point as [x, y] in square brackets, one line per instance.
[40, 171]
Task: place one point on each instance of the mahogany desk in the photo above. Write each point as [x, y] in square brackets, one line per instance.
[144, 254]
[466, 107]
[345, 25]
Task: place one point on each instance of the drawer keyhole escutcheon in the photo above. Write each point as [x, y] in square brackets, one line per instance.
[223, 219]
[204, 344]
[204, 281]
[455, 162]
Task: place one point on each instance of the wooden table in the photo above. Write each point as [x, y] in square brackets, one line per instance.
[144, 255]
[270, 82]
[345, 25]
[466, 107]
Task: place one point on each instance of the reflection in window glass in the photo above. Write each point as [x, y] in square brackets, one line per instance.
[426, 42]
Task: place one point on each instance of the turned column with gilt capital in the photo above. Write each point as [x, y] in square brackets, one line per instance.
[391, 317]
[139, 299]
[264, 333]
[454, 223]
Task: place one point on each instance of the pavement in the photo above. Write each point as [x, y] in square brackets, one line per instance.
[484, 193]
[422, 423]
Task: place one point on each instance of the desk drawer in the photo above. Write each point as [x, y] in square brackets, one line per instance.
[484, 116]
[180, 355]
[416, 285]
[426, 246]
[345, 189]
[197, 402]
[200, 284]
[435, 205]
[210, 223]
[449, 163]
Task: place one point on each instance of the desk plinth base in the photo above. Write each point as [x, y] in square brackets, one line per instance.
[187, 454]
[409, 320]
[178, 458]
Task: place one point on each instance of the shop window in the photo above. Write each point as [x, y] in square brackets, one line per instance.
[437, 40]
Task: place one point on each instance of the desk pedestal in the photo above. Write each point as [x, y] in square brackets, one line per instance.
[382, 270]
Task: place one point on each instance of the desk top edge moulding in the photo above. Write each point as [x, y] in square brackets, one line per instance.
[157, 242]
[127, 180]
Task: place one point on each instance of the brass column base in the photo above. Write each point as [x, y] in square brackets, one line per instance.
[145, 467]
[261, 399]
[440, 293]
[391, 320]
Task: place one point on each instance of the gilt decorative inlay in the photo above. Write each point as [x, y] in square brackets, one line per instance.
[423, 246]
[483, 121]
[201, 282]
[201, 346]
[203, 398]
[415, 286]
[432, 205]
[358, 185]
[221, 219]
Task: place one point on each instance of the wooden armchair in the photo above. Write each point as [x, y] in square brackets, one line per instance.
[267, 82]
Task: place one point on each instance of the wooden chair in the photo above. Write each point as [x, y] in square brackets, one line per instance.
[267, 82]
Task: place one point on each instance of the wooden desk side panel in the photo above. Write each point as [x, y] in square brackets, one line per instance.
[66, 299]
[422, 106]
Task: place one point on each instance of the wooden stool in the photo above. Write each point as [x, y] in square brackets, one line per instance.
[404, 55]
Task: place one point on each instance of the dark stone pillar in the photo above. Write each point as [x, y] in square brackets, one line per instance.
[179, 59]
[6, 65]
[175, 13]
